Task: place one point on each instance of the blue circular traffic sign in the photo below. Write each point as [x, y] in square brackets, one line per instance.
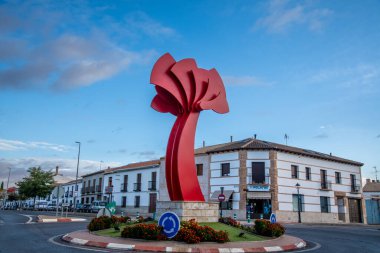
[170, 222]
[272, 218]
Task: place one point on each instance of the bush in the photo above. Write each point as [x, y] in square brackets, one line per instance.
[100, 223]
[230, 221]
[187, 235]
[221, 237]
[144, 231]
[264, 227]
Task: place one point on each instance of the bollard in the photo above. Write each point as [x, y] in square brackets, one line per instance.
[138, 215]
[234, 216]
[122, 214]
[154, 216]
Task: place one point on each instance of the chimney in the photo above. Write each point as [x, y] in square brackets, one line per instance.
[231, 138]
[368, 180]
[56, 170]
[330, 154]
[255, 136]
[204, 144]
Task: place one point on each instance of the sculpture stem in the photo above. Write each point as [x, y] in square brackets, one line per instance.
[181, 176]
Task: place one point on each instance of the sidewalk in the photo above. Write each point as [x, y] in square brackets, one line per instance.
[46, 219]
[282, 243]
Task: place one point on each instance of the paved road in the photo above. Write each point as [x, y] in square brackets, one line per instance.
[17, 235]
[340, 238]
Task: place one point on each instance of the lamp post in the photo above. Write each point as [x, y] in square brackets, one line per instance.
[76, 178]
[298, 202]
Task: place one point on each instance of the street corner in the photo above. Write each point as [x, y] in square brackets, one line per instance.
[84, 238]
[51, 219]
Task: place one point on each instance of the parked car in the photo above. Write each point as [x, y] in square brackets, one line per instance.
[41, 205]
[97, 205]
[51, 207]
[85, 208]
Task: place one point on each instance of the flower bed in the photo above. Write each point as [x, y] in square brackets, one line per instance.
[104, 222]
[261, 227]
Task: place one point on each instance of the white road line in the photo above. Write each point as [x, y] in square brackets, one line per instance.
[317, 246]
[30, 218]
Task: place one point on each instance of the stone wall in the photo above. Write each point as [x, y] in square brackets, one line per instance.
[200, 211]
[307, 217]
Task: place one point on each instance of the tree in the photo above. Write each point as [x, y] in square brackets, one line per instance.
[2, 186]
[39, 183]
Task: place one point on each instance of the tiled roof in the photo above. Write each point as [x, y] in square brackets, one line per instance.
[255, 144]
[73, 181]
[134, 166]
[371, 187]
[94, 173]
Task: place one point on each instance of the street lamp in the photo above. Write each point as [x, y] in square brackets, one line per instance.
[76, 178]
[299, 202]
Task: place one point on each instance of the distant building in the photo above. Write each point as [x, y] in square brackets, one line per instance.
[134, 187]
[371, 192]
[70, 191]
[92, 187]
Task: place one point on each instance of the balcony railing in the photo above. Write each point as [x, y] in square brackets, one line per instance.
[88, 189]
[98, 188]
[152, 185]
[71, 194]
[355, 188]
[93, 189]
[137, 187]
[66, 194]
[109, 189]
[253, 181]
[326, 185]
[83, 191]
[124, 187]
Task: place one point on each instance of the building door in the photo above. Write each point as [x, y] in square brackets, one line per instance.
[373, 211]
[152, 202]
[341, 212]
[354, 207]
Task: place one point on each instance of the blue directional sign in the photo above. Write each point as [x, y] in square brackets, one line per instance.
[272, 218]
[170, 222]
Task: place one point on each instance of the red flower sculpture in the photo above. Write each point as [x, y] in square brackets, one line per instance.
[184, 90]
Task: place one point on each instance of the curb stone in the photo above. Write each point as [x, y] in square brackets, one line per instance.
[142, 247]
[48, 220]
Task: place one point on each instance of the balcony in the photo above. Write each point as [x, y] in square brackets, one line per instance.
[124, 187]
[254, 181]
[355, 188]
[137, 187]
[109, 190]
[152, 185]
[88, 189]
[83, 191]
[98, 188]
[71, 194]
[326, 185]
[93, 189]
[66, 194]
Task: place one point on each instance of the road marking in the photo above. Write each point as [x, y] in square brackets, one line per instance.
[51, 240]
[119, 246]
[317, 246]
[29, 217]
[273, 249]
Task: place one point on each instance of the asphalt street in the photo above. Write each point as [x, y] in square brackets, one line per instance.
[20, 233]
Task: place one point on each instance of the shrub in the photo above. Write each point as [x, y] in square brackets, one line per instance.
[148, 219]
[221, 237]
[264, 227]
[230, 221]
[187, 235]
[144, 231]
[100, 223]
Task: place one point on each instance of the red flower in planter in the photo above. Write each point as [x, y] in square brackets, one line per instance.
[184, 90]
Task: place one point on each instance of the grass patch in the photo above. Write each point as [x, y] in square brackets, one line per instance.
[233, 233]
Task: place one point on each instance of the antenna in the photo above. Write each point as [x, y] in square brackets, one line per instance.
[376, 171]
[286, 137]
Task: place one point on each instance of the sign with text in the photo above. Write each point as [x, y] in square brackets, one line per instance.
[258, 188]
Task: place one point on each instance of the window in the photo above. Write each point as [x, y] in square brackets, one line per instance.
[338, 178]
[123, 201]
[354, 188]
[200, 169]
[225, 169]
[308, 173]
[324, 184]
[325, 205]
[109, 181]
[258, 172]
[294, 171]
[301, 204]
[137, 201]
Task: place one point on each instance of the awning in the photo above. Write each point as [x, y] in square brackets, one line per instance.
[375, 197]
[259, 195]
[215, 194]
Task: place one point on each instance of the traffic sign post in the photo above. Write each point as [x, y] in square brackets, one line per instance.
[170, 223]
[112, 207]
[273, 218]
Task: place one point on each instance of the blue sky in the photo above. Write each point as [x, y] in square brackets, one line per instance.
[79, 71]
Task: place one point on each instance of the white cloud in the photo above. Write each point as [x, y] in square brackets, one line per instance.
[281, 15]
[67, 167]
[14, 145]
[243, 81]
[68, 51]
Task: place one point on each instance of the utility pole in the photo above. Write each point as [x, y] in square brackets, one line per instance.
[286, 137]
[375, 172]
[9, 175]
[76, 179]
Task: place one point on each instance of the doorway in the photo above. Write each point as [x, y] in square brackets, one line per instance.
[354, 207]
[259, 208]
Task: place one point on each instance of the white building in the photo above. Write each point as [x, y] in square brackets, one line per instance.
[260, 177]
[134, 187]
[92, 187]
[70, 191]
